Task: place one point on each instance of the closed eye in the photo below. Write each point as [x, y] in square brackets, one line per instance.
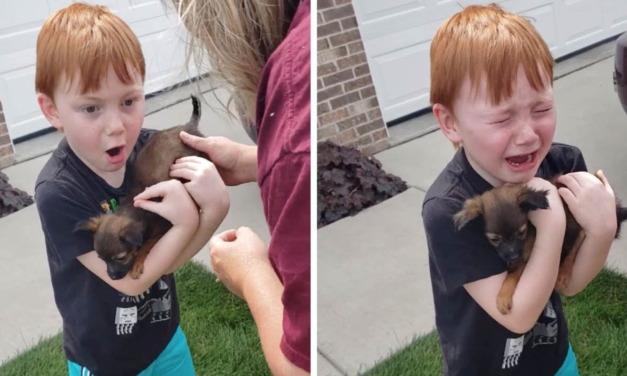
[522, 232]
[494, 239]
[121, 256]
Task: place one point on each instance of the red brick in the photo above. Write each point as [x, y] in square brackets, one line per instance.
[329, 93]
[3, 128]
[364, 141]
[6, 150]
[367, 128]
[339, 13]
[344, 100]
[355, 47]
[352, 122]
[376, 147]
[344, 38]
[330, 55]
[368, 92]
[351, 61]
[345, 137]
[361, 70]
[323, 44]
[357, 84]
[380, 135]
[5, 140]
[333, 117]
[323, 108]
[324, 4]
[349, 23]
[326, 132]
[326, 69]
[338, 77]
[328, 29]
[374, 114]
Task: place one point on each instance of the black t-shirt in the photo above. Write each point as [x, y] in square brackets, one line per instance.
[473, 343]
[104, 330]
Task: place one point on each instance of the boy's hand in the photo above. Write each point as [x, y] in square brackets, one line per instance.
[592, 202]
[236, 163]
[205, 185]
[177, 206]
[542, 217]
[236, 254]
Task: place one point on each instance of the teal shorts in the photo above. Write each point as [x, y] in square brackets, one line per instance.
[175, 360]
[569, 368]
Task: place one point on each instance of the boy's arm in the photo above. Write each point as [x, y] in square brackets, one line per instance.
[588, 263]
[157, 263]
[207, 228]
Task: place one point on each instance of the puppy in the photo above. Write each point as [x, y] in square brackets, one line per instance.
[124, 239]
[508, 229]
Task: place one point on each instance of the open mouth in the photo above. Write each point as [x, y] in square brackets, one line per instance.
[115, 155]
[522, 161]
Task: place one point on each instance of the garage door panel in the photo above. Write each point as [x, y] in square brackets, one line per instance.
[615, 13]
[24, 116]
[376, 10]
[543, 19]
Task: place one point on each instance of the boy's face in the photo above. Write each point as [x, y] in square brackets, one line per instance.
[101, 127]
[505, 143]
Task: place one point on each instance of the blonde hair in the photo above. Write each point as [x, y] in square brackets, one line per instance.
[236, 37]
[86, 40]
[486, 40]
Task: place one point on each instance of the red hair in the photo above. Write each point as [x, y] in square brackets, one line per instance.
[85, 40]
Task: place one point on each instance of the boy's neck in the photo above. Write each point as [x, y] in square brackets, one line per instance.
[493, 181]
[114, 178]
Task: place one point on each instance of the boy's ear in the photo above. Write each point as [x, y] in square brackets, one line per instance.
[530, 199]
[471, 210]
[46, 104]
[446, 120]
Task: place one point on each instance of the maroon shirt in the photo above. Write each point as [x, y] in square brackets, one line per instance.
[284, 157]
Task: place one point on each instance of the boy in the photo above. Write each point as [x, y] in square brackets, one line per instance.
[90, 76]
[491, 91]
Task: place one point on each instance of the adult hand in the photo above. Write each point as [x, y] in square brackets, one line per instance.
[236, 255]
[236, 163]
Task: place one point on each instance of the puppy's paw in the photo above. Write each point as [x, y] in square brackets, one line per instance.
[504, 303]
[137, 270]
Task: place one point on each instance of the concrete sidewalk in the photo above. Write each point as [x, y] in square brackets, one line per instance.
[28, 311]
[374, 291]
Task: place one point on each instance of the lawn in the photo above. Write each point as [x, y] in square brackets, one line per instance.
[597, 321]
[220, 331]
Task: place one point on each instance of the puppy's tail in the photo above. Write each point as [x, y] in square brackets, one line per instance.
[621, 216]
[196, 113]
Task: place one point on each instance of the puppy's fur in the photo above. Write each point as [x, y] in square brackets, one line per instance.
[124, 239]
[505, 211]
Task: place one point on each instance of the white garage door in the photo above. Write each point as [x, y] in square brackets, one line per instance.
[397, 38]
[160, 36]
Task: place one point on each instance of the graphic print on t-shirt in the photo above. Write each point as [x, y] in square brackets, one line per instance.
[544, 332]
[109, 206]
[157, 308]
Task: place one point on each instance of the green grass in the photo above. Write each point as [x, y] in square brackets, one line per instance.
[220, 330]
[597, 322]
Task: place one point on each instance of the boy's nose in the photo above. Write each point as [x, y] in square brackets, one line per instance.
[526, 134]
[114, 125]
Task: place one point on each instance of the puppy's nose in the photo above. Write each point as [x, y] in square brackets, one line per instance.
[116, 275]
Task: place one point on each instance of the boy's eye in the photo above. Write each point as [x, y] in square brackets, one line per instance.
[129, 102]
[500, 121]
[90, 109]
[545, 110]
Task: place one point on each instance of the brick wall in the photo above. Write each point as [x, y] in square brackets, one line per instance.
[348, 110]
[6, 146]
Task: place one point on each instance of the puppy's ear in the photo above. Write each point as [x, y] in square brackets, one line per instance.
[530, 199]
[471, 210]
[92, 224]
[133, 236]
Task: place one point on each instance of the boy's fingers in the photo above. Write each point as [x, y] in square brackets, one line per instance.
[150, 206]
[157, 190]
[567, 195]
[228, 236]
[605, 182]
[187, 165]
[570, 182]
[183, 173]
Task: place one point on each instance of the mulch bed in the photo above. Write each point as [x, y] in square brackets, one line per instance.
[11, 199]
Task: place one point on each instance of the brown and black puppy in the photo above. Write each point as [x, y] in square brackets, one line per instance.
[124, 239]
[504, 211]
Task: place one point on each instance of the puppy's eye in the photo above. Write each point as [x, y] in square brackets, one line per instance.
[121, 256]
[494, 239]
[522, 232]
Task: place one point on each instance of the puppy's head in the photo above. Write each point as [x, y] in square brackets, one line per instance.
[116, 241]
[504, 211]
